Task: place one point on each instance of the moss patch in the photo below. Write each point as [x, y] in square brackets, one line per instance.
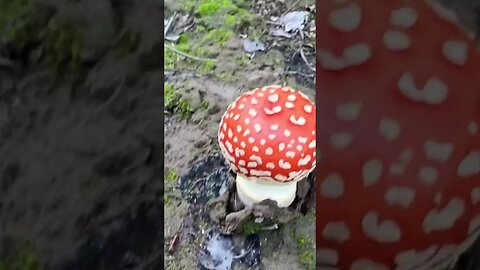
[305, 249]
[217, 22]
[21, 259]
[56, 44]
[173, 102]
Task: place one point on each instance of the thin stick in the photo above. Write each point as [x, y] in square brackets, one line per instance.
[290, 8]
[306, 61]
[169, 24]
[189, 55]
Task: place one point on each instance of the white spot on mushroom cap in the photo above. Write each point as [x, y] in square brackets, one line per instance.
[302, 139]
[411, 259]
[470, 165]
[475, 195]
[337, 231]
[254, 101]
[434, 91]
[287, 133]
[284, 164]
[439, 151]
[272, 136]
[290, 154]
[274, 127]
[252, 164]
[289, 105]
[299, 121]
[383, 232]
[308, 108]
[273, 98]
[428, 175]
[349, 111]
[304, 161]
[281, 177]
[396, 40]
[255, 149]
[347, 18]
[389, 128]
[270, 165]
[260, 173]
[291, 97]
[251, 140]
[239, 152]
[404, 17]
[402, 196]
[340, 141]
[269, 151]
[229, 146]
[332, 186]
[257, 127]
[273, 111]
[474, 224]
[472, 128]
[353, 55]
[357, 54]
[263, 141]
[455, 51]
[312, 144]
[367, 264]
[444, 219]
[327, 256]
[329, 61]
[371, 172]
[252, 112]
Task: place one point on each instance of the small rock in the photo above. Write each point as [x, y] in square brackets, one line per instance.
[294, 21]
[251, 46]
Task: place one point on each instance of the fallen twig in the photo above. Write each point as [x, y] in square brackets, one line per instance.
[173, 244]
[169, 24]
[189, 55]
[290, 8]
[306, 61]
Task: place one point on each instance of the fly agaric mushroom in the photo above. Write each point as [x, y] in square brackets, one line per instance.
[268, 138]
[399, 173]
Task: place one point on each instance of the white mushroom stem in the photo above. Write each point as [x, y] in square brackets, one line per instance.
[253, 190]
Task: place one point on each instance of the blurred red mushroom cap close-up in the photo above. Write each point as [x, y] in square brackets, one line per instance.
[267, 136]
[398, 175]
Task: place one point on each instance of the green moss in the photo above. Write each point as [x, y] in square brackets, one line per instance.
[207, 67]
[217, 21]
[216, 36]
[30, 28]
[305, 249]
[242, 60]
[127, 42]
[307, 259]
[251, 228]
[22, 259]
[184, 108]
[170, 96]
[204, 105]
[225, 77]
[171, 176]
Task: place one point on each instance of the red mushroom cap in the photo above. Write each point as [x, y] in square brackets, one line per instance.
[399, 112]
[269, 133]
